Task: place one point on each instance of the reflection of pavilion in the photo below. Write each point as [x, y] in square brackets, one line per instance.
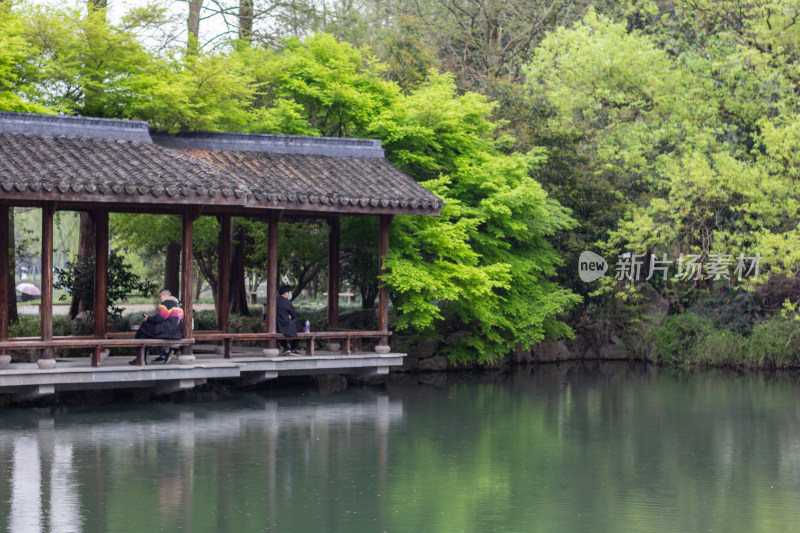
[103, 166]
[47, 473]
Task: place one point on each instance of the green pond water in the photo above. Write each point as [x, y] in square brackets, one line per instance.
[568, 448]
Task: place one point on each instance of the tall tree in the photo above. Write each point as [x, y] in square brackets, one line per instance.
[17, 72]
[86, 241]
[238, 287]
[692, 138]
[193, 26]
[246, 15]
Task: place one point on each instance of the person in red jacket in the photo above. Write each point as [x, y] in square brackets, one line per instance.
[167, 323]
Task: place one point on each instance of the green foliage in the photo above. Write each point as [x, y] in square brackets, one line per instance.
[720, 347]
[15, 54]
[77, 278]
[775, 343]
[200, 92]
[318, 86]
[687, 131]
[688, 338]
[678, 335]
[486, 260]
[205, 320]
[84, 64]
[732, 309]
[28, 326]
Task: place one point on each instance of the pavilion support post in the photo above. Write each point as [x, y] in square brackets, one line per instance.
[46, 308]
[383, 295]
[4, 273]
[223, 280]
[272, 281]
[186, 275]
[100, 279]
[333, 273]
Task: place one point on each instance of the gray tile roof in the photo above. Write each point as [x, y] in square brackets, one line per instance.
[89, 166]
[307, 170]
[314, 179]
[44, 157]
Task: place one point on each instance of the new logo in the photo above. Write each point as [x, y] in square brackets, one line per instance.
[591, 267]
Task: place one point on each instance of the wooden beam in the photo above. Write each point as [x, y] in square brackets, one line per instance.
[224, 272]
[46, 308]
[187, 244]
[210, 206]
[4, 271]
[101, 273]
[383, 296]
[333, 272]
[272, 274]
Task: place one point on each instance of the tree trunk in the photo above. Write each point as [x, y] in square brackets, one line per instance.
[238, 287]
[172, 268]
[208, 271]
[13, 315]
[85, 253]
[369, 292]
[198, 285]
[193, 25]
[246, 20]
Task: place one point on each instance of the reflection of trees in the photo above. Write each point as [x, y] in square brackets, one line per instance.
[571, 447]
[565, 447]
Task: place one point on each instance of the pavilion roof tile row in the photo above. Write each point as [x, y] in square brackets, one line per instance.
[84, 158]
[77, 165]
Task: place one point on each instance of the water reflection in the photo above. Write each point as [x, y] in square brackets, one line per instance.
[33, 510]
[162, 466]
[601, 449]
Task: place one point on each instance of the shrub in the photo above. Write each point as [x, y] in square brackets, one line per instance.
[77, 279]
[774, 343]
[676, 338]
[205, 320]
[28, 326]
[719, 347]
[729, 308]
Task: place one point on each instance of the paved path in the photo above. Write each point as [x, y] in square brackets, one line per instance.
[63, 309]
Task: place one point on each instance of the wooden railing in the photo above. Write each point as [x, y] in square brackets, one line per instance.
[94, 343]
[351, 339]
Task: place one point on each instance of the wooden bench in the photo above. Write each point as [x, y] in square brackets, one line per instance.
[351, 339]
[96, 344]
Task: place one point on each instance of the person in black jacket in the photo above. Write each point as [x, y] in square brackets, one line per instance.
[167, 323]
[285, 320]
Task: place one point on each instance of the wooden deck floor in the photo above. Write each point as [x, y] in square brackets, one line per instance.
[246, 366]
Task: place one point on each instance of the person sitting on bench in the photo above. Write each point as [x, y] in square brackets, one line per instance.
[166, 324]
[285, 317]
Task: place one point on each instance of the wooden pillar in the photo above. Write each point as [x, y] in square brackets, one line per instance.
[224, 272]
[46, 308]
[100, 280]
[383, 296]
[4, 272]
[186, 275]
[101, 273]
[333, 273]
[272, 275]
